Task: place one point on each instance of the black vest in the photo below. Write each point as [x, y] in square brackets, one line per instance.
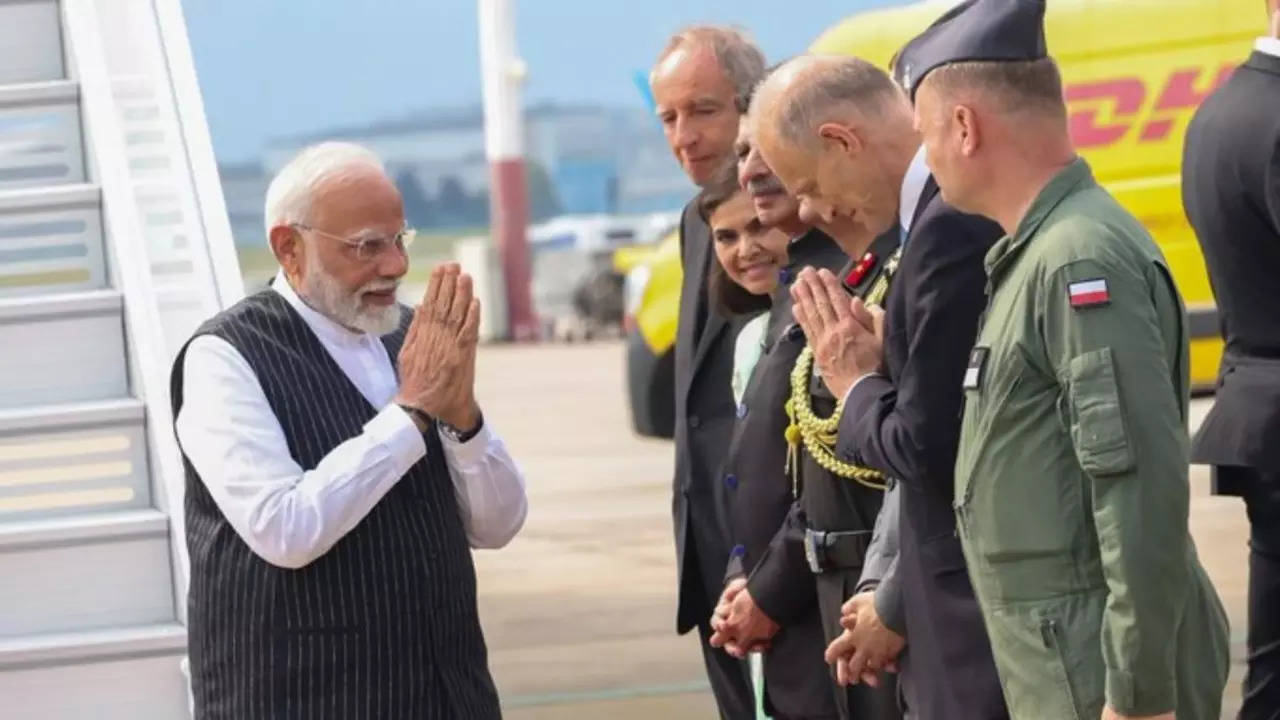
[384, 624]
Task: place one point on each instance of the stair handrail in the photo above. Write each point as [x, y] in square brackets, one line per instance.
[219, 241]
[130, 268]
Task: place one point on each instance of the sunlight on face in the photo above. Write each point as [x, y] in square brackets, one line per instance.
[695, 104]
[357, 293]
[934, 124]
[796, 170]
[774, 205]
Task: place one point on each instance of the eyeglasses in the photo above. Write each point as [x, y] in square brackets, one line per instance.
[369, 247]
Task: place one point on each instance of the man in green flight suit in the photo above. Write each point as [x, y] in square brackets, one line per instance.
[1071, 478]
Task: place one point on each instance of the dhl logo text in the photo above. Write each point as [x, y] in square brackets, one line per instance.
[1105, 111]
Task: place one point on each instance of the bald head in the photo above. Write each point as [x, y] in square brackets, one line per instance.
[837, 132]
[804, 93]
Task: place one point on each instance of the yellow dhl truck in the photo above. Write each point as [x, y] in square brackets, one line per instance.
[1134, 72]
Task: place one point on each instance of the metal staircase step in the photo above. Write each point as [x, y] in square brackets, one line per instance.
[30, 41]
[51, 240]
[73, 459]
[128, 673]
[62, 348]
[40, 134]
[84, 573]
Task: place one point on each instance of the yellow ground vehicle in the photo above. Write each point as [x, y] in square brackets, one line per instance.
[1134, 70]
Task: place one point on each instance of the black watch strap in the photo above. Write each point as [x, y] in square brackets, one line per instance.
[463, 435]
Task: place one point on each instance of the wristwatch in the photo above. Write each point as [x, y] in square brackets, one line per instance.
[462, 436]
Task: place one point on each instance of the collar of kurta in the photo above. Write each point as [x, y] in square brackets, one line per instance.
[1073, 178]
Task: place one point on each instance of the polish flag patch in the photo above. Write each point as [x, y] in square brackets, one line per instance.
[1088, 293]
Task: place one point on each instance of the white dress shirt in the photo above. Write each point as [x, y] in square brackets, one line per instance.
[747, 349]
[908, 200]
[1268, 45]
[912, 186]
[290, 515]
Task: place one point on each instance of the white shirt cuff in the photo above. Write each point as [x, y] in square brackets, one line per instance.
[471, 453]
[844, 401]
[394, 429]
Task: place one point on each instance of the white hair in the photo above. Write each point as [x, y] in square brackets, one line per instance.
[290, 193]
[807, 91]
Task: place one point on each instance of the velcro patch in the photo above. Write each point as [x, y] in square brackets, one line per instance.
[1088, 293]
[977, 363]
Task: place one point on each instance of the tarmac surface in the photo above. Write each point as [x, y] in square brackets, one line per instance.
[579, 610]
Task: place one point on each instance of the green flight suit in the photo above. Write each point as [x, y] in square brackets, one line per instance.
[1071, 480]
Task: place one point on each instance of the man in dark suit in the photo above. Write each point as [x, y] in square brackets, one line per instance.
[700, 86]
[839, 133]
[1231, 190]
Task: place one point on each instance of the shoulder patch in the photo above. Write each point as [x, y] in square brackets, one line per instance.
[1088, 293]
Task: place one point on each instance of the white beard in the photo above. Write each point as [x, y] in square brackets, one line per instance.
[322, 291]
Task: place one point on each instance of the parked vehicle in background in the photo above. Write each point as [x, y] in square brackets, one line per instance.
[579, 264]
[1130, 96]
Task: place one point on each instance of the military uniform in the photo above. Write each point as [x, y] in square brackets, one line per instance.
[842, 510]
[1071, 478]
[760, 496]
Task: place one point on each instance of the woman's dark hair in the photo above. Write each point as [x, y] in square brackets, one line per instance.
[727, 297]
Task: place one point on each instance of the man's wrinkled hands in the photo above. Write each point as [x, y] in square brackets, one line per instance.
[847, 336]
[741, 627]
[866, 646]
[720, 636]
[437, 362]
[721, 611]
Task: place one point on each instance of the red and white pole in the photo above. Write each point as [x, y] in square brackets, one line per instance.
[502, 73]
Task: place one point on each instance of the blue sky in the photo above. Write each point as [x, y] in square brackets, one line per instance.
[271, 68]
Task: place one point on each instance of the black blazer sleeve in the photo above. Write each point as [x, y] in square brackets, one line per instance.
[1273, 186]
[781, 583]
[909, 426]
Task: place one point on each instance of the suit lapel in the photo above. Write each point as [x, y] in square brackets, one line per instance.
[703, 338]
[693, 303]
[715, 326]
[926, 196]
[688, 333]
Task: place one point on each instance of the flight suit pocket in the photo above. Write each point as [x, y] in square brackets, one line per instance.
[1097, 417]
[1045, 672]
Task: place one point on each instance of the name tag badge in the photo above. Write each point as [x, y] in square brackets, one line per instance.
[977, 363]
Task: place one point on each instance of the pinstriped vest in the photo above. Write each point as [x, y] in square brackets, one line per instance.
[383, 625]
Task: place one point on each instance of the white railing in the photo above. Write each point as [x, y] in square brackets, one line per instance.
[198, 145]
[168, 239]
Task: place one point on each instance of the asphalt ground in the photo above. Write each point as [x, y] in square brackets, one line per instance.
[579, 610]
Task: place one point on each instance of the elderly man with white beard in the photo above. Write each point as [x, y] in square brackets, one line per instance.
[338, 471]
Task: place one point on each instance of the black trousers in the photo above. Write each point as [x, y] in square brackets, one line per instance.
[1261, 493]
[856, 702]
[730, 679]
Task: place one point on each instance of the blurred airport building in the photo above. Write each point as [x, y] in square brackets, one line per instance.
[582, 160]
